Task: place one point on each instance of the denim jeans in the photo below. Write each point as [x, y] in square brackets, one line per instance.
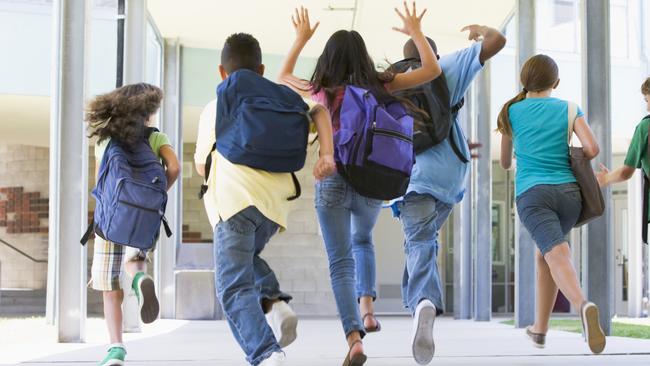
[346, 219]
[243, 279]
[422, 215]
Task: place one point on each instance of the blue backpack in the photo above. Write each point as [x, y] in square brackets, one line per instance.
[373, 148]
[131, 196]
[261, 124]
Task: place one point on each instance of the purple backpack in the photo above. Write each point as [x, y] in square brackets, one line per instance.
[374, 146]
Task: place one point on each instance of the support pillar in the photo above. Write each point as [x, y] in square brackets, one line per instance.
[463, 237]
[524, 244]
[135, 45]
[596, 70]
[172, 126]
[483, 258]
[68, 217]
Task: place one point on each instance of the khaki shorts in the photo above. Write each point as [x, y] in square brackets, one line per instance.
[108, 263]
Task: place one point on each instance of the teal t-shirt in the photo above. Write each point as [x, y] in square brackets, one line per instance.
[539, 132]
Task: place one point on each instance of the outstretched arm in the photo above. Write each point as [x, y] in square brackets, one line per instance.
[493, 40]
[605, 177]
[304, 32]
[430, 68]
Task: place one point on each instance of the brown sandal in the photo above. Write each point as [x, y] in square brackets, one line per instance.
[376, 329]
[356, 360]
[539, 339]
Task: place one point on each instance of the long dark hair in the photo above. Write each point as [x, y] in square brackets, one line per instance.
[539, 73]
[122, 114]
[345, 61]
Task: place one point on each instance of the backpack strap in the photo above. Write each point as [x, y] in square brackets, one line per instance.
[296, 184]
[454, 146]
[88, 233]
[208, 166]
[206, 172]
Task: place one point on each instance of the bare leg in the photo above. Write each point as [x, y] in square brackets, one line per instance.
[113, 314]
[366, 306]
[133, 267]
[546, 295]
[564, 274]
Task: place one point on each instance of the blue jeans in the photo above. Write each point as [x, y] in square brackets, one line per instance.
[243, 280]
[422, 216]
[346, 219]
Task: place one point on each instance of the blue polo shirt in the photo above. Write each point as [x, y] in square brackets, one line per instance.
[438, 171]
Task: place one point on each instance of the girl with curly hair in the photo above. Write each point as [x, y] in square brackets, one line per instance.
[124, 115]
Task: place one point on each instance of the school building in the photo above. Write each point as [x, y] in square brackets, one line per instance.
[59, 53]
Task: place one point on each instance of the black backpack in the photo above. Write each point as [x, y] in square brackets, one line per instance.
[434, 99]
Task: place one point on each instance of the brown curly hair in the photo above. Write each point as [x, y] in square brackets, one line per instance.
[123, 113]
[645, 87]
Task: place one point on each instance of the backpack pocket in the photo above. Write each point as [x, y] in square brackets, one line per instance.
[344, 146]
[137, 212]
[270, 127]
[391, 141]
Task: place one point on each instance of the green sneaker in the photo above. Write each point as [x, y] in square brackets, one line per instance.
[145, 290]
[115, 357]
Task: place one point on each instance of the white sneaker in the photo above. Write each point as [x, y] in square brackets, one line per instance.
[423, 345]
[276, 359]
[284, 323]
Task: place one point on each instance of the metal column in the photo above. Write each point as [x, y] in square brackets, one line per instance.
[463, 237]
[135, 32]
[596, 87]
[524, 244]
[135, 41]
[172, 126]
[483, 258]
[68, 172]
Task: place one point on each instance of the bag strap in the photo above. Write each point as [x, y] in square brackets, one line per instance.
[296, 184]
[206, 172]
[208, 166]
[572, 114]
[89, 231]
[454, 146]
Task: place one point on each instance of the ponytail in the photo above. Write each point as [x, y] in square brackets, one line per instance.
[503, 122]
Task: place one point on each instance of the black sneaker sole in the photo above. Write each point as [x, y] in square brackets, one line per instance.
[150, 307]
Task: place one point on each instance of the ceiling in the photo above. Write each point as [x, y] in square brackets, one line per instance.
[207, 23]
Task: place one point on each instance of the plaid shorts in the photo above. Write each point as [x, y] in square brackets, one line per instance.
[108, 263]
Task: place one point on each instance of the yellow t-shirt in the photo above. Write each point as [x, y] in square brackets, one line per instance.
[234, 187]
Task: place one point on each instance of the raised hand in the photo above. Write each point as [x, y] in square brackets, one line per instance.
[412, 22]
[476, 32]
[325, 166]
[300, 20]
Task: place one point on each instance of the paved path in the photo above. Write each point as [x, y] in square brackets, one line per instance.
[320, 343]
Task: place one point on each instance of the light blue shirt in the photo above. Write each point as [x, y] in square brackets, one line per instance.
[438, 171]
[540, 132]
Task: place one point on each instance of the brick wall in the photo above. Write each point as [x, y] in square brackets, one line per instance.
[297, 255]
[24, 189]
[196, 227]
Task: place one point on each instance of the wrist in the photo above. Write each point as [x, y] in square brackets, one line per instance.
[301, 41]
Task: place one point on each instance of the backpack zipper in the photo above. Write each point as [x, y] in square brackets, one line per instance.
[138, 206]
[389, 133]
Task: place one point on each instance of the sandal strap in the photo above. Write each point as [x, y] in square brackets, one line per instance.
[355, 343]
[367, 315]
[533, 333]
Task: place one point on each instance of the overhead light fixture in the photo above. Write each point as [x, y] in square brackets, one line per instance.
[353, 9]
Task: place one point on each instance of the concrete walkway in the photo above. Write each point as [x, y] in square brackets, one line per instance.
[320, 343]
